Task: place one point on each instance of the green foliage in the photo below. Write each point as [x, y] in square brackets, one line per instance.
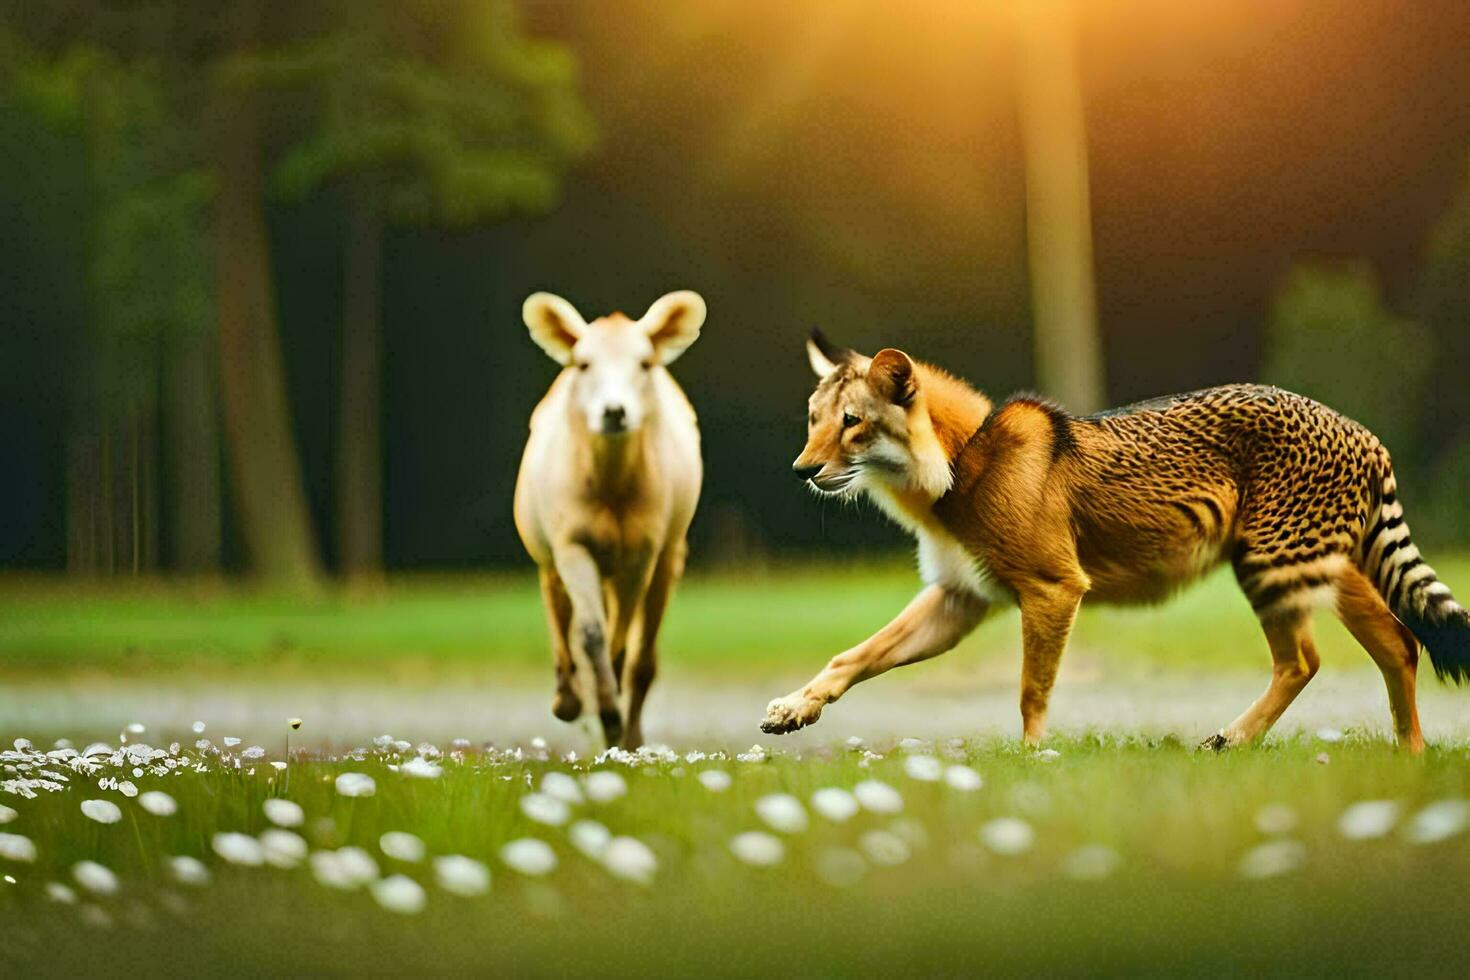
[454, 115]
[1332, 338]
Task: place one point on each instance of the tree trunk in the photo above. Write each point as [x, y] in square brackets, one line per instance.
[1069, 363]
[270, 501]
[359, 437]
[193, 433]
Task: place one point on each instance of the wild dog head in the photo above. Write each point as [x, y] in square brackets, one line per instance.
[613, 359]
[868, 424]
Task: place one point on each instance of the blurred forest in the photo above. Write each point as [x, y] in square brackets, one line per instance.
[261, 263]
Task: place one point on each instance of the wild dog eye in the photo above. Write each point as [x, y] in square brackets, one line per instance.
[849, 420]
[582, 365]
[646, 365]
[811, 418]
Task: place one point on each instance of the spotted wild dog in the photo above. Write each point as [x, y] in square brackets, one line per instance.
[1029, 505]
[608, 484]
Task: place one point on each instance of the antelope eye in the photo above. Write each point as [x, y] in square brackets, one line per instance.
[849, 420]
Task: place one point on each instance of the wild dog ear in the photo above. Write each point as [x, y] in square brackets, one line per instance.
[555, 325]
[826, 357]
[892, 375]
[672, 323]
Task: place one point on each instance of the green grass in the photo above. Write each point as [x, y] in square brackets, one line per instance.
[1179, 821]
[792, 617]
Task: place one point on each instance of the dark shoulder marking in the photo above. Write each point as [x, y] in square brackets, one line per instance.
[1063, 441]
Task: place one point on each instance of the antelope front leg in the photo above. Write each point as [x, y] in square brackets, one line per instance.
[589, 630]
[933, 622]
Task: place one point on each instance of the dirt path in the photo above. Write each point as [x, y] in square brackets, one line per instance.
[689, 709]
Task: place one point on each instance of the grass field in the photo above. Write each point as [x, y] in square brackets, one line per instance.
[1111, 853]
[726, 622]
[1112, 856]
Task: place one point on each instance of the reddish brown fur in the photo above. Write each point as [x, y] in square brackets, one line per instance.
[1028, 505]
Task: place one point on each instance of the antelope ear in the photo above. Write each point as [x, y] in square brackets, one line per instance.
[892, 375]
[555, 324]
[672, 323]
[826, 357]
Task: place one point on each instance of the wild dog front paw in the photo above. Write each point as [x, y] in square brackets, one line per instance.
[790, 713]
[1216, 742]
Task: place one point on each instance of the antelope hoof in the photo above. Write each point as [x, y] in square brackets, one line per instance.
[790, 713]
[566, 705]
[612, 727]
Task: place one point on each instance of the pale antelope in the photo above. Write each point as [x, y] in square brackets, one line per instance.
[608, 484]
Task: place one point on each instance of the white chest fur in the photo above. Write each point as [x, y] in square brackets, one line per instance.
[944, 561]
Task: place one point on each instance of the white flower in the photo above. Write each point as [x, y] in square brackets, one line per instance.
[1329, 734]
[14, 847]
[1092, 862]
[911, 831]
[7, 814]
[924, 768]
[1275, 857]
[545, 809]
[136, 728]
[757, 753]
[589, 837]
[402, 846]
[840, 866]
[254, 752]
[783, 812]
[188, 870]
[126, 788]
[283, 813]
[912, 745]
[60, 893]
[604, 785]
[460, 875]
[630, 859]
[158, 803]
[714, 780]
[355, 784]
[884, 848]
[854, 743]
[278, 765]
[102, 811]
[238, 849]
[198, 727]
[1368, 819]
[94, 877]
[877, 796]
[963, 778]
[560, 786]
[1009, 836]
[421, 768]
[758, 848]
[230, 741]
[835, 803]
[1275, 819]
[1048, 755]
[529, 856]
[282, 848]
[1438, 821]
[345, 868]
[400, 893]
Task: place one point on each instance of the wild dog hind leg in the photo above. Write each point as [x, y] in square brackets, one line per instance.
[933, 622]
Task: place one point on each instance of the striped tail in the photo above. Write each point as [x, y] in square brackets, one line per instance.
[1411, 588]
